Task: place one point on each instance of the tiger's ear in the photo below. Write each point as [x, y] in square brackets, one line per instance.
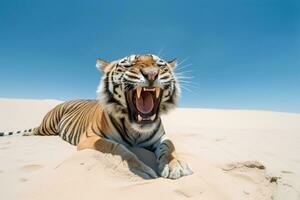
[173, 63]
[101, 64]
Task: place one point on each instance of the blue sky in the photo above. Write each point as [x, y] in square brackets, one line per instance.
[243, 54]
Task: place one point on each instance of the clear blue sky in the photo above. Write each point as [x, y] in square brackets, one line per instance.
[243, 53]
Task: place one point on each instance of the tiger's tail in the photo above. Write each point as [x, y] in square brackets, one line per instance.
[26, 132]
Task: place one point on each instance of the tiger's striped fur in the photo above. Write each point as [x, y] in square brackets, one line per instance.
[107, 124]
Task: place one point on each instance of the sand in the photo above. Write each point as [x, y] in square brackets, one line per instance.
[235, 154]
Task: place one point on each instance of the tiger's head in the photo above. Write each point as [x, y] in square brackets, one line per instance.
[140, 87]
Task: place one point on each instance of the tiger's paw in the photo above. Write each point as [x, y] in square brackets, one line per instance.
[141, 169]
[145, 172]
[175, 169]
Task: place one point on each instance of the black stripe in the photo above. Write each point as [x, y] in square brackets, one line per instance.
[76, 138]
[50, 122]
[165, 77]
[152, 134]
[70, 137]
[80, 127]
[52, 128]
[101, 132]
[161, 155]
[72, 130]
[1, 134]
[98, 131]
[10, 133]
[55, 119]
[129, 86]
[119, 129]
[115, 85]
[95, 131]
[132, 77]
[124, 128]
[69, 126]
[171, 99]
[110, 99]
[164, 144]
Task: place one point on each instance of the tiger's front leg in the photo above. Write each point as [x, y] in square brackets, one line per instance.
[108, 146]
[169, 165]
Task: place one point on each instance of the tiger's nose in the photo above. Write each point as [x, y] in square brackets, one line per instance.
[150, 73]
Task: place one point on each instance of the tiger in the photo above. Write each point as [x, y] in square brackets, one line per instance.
[133, 93]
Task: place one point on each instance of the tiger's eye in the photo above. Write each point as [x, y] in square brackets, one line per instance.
[164, 69]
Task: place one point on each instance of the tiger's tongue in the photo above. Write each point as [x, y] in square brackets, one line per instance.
[145, 103]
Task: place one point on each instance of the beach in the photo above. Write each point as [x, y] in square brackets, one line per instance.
[235, 154]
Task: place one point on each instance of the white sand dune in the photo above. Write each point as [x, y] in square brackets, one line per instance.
[221, 146]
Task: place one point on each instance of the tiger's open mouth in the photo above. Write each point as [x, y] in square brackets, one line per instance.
[143, 104]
